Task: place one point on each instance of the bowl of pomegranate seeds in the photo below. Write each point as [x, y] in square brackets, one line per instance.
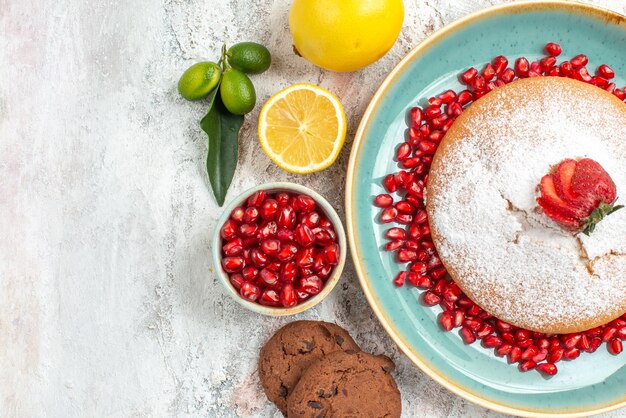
[279, 248]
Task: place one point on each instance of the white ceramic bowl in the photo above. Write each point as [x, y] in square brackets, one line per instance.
[323, 205]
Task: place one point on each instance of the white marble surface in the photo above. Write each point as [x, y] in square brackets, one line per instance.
[108, 304]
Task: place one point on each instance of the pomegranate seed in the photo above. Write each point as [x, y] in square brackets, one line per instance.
[446, 319]
[594, 344]
[287, 252]
[274, 265]
[448, 96]
[492, 341]
[390, 183]
[248, 230]
[270, 246]
[282, 199]
[304, 235]
[527, 365]
[489, 72]
[467, 335]
[395, 234]
[543, 343]
[269, 277]
[432, 112]
[555, 355]
[400, 278]
[405, 207]
[288, 272]
[473, 323]
[522, 67]
[267, 230]
[236, 280]
[599, 81]
[403, 152]
[269, 208]
[608, 333]
[229, 230]
[250, 215]
[249, 273]
[524, 343]
[288, 296]
[427, 146]
[305, 257]
[479, 83]
[257, 198]
[311, 285]
[331, 252]
[465, 97]
[286, 217]
[583, 343]
[394, 245]
[553, 49]
[605, 71]
[499, 63]
[469, 75]
[566, 68]
[515, 355]
[431, 299]
[416, 116]
[485, 331]
[547, 369]
[620, 94]
[507, 75]
[383, 200]
[269, 297]
[285, 235]
[310, 219]
[579, 61]
[503, 326]
[388, 215]
[571, 353]
[232, 264]
[547, 63]
[237, 214]
[234, 247]
[541, 356]
[504, 349]
[581, 74]
[522, 334]
[304, 203]
[530, 352]
[615, 346]
[250, 291]
[452, 292]
[435, 101]
[405, 255]
[622, 333]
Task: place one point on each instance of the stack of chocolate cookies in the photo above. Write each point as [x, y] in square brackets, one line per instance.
[316, 369]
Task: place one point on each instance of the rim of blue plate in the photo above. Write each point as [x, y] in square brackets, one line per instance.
[587, 10]
[328, 210]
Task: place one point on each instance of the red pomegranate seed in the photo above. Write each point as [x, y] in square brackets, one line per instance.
[571, 353]
[390, 183]
[232, 264]
[388, 215]
[229, 230]
[269, 208]
[583, 343]
[249, 273]
[405, 207]
[400, 278]
[566, 68]
[270, 246]
[543, 343]
[250, 291]
[622, 333]
[555, 355]
[304, 203]
[405, 255]
[287, 252]
[267, 230]
[269, 297]
[492, 341]
[541, 355]
[504, 349]
[257, 198]
[331, 252]
[288, 296]
[615, 346]
[310, 219]
[473, 323]
[416, 116]
[236, 280]
[432, 112]
[311, 285]
[500, 63]
[547, 369]
[581, 74]
[248, 230]
[465, 97]
[274, 265]
[530, 352]
[250, 215]
[467, 335]
[522, 334]
[233, 247]
[594, 344]
[479, 83]
[435, 101]
[288, 272]
[448, 96]
[403, 152]
[605, 71]
[395, 233]
[553, 49]
[485, 331]
[599, 81]
[305, 257]
[620, 94]
[383, 200]
[507, 75]
[237, 214]
[469, 75]
[394, 245]
[489, 72]
[608, 334]
[547, 63]
[446, 319]
[431, 299]
[285, 235]
[286, 217]
[258, 258]
[527, 365]
[522, 67]
[304, 235]
[579, 61]
[515, 355]
[269, 277]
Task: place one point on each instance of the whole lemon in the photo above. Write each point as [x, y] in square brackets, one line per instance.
[345, 35]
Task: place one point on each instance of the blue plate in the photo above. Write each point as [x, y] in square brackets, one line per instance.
[593, 383]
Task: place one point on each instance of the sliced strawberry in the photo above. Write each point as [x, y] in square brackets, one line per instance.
[549, 197]
[566, 222]
[590, 179]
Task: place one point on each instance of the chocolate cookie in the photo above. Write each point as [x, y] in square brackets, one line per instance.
[347, 385]
[292, 349]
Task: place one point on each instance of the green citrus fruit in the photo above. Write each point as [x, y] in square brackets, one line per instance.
[199, 80]
[249, 57]
[237, 92]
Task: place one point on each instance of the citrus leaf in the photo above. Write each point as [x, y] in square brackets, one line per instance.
[222, 128]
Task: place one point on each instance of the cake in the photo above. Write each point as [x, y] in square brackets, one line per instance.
[503, 249]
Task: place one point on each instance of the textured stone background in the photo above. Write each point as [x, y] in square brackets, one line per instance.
[108, 304]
